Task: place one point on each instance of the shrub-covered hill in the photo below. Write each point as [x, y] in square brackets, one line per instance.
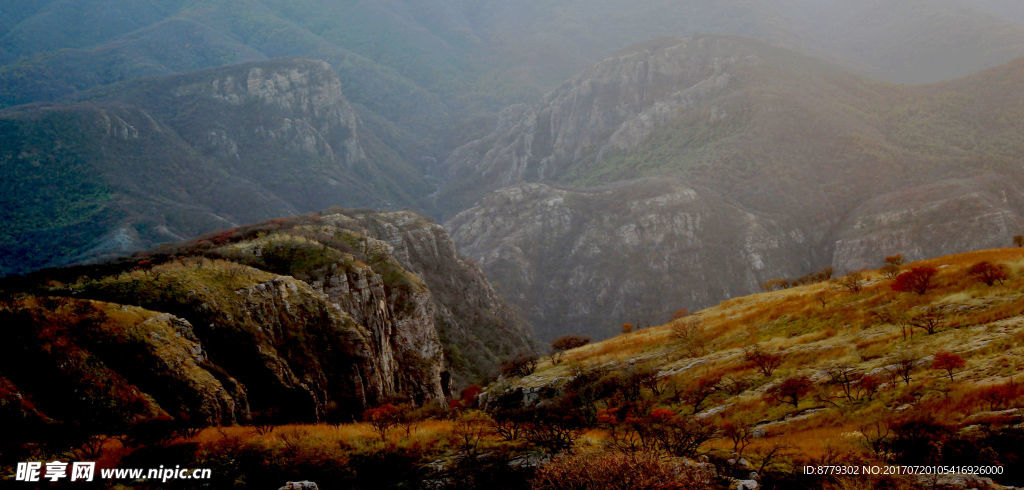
[314, 318]
[852, 369]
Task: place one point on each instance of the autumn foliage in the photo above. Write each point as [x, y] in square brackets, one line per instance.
[567, 342]
[383, 418]
[916, 280]
[949, 362]
[988, 272]
[791, 391]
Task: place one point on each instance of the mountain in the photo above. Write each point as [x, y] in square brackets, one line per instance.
[854, 369]
[420, 78]
[168, 158]
[684, 171]
[309, 319]
[428, 74]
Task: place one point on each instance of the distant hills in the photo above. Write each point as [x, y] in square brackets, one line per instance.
[167, 158]
[426, 75]
[127, 124]
[758, 163]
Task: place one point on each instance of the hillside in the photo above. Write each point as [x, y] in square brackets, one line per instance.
[847, 372]
[721, 163]
[308, 319]
[169, 158]
[868, 355]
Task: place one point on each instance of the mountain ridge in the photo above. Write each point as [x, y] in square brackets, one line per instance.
[218, 147]
[791, 142]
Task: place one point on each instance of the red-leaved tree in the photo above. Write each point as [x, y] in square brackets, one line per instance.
[791, 390]
[916, 280]
[383, 418]
[948, 362]
[988, 272]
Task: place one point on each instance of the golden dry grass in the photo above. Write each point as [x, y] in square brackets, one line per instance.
[820, 325]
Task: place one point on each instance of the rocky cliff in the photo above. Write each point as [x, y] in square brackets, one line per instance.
[478, 329]
[753, 163]
[307, 319]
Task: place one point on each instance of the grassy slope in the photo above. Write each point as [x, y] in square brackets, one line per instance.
[983, 324]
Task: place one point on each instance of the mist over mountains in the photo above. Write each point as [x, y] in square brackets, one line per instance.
[668, 171]
[758, 162]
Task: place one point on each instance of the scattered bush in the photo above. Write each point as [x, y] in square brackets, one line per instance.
[852, 282]
[520, 365]
[929, 320]
[949, 362]
[616, 470]
[766, 362]
[690, 335]
[383, 418]
[988, 272]
[791, 391]
[819, 276]
[567, 342]
[891, 269]
[701, 390]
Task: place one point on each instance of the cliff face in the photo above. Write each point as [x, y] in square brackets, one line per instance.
[590, 260]
[477, 327]
[683, 172]
[306, 319]
[172, 157]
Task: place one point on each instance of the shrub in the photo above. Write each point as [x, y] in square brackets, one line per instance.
[383, 418]
[852, 282]
[791, 391]
[891, 269]
[690, 334]
[701, 390]
[520, 365]
[766, 362]
[627, 327]
[1001, 396]
[930, 320]
[988, 272]
[916, 280]
[567, 342]
[949, 362]
[616, 470]
[468, 395]
[470, 431]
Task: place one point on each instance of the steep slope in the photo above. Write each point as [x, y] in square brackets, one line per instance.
[590, 260]
[867, 362]
[305, 319]
[168, 158]
[478, 329]
[784, 153]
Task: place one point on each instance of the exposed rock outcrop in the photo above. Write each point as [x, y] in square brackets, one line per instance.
[306, 319]
[682, 172]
